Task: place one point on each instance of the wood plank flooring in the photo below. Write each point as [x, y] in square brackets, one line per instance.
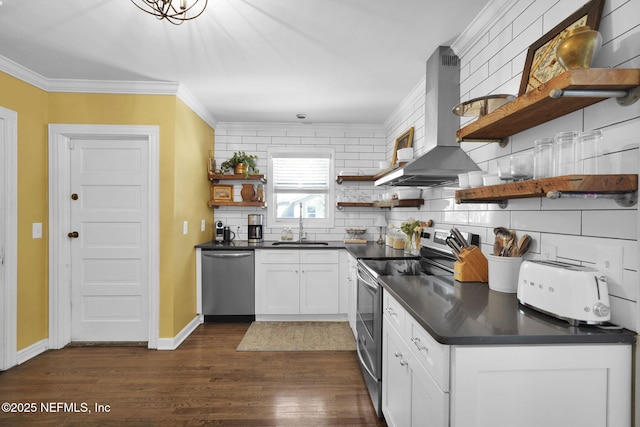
[205, 382]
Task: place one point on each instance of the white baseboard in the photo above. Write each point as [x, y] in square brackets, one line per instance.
[173, 343]
[32, 351]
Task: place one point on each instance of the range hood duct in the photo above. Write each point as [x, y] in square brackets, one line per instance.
[444, 158]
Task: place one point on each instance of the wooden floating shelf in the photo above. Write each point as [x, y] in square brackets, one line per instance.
[537, 106]
[361, 178]
[388, 204]
[254, 204]
[596, 184]
[224, 177]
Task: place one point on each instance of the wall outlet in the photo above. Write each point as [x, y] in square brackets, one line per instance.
[36, 230]
[203, 225]
[548, 253]
[185, 227]
[609, 262]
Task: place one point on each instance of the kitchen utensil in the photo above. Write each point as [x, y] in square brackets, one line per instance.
[497, 246]
[510, 245]
[523, 245]
[459, 237]
[504, 235]
[451, 242]
[408, 193]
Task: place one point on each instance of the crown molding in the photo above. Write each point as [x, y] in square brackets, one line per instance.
[121, 87]
[285, 126]
[477, 28]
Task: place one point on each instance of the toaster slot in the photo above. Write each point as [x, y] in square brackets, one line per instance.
[597, 286]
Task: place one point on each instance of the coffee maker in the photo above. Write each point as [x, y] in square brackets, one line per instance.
[255, 228]
[219, 237]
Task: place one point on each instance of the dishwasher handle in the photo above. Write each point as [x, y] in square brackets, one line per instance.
[220, 254]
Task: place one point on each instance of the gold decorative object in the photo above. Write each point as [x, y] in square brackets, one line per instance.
[579, 48]
[478, 107]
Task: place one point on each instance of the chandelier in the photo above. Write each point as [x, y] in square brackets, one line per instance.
[174, 11]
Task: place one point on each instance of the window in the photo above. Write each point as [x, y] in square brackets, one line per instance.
[300, 176]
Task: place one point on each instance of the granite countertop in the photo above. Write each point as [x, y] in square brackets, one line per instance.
[456, 313]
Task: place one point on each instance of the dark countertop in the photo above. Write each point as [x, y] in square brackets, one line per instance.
[361, 250]
[457, 313]
[267, 244]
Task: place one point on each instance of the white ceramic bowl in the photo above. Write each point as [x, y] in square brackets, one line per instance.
[405, 154]
[384, 165]
[491, 180]
[475, 179]
[408, 193]
[463, 180]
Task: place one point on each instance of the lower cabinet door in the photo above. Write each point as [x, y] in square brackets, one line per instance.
[319, 288]
[396, 378]
[279, 289]
[429, 404]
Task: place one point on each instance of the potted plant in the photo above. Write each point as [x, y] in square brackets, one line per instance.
[241, 163]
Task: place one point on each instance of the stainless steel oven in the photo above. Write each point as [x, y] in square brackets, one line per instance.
[435, 259]
[369, 318]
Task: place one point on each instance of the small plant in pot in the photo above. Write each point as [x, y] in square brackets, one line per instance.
[241, 163]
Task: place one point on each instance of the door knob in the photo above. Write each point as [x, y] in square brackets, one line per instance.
[73, 235]
[74, 196]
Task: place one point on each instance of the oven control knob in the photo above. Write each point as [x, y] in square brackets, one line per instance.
[601, 309]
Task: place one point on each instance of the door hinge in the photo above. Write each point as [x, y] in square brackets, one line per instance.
[2, 257]
[70, 144]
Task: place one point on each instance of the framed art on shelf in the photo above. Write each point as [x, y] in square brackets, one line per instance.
[541, 64]
[222, 193]
[403, 141]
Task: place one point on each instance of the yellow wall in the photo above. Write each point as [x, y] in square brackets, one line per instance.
[33, 297]
[185, 141]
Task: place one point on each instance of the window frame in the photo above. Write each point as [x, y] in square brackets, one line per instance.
[314, 223]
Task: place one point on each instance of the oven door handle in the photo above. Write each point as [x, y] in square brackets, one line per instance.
[362, 362]
[366, 282]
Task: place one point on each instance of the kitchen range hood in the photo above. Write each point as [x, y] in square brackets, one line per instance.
[444, 158]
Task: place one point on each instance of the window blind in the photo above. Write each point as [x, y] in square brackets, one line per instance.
[295, 173]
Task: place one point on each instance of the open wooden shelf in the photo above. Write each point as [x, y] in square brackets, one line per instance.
[537, 106]
[386, 204]
[223, 177]
[254, 204]
[591, 184]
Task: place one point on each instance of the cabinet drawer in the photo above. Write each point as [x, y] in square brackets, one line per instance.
[431, 354]
[319, 256]
[396, 314]
[278, 256]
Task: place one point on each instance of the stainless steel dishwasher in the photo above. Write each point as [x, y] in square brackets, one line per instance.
[228, 286]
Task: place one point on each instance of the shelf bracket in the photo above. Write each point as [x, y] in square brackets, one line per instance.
[624, 97]
[625, 200]
[339, 180]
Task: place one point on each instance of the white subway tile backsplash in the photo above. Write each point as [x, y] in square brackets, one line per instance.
[621, 224]
[566, 222]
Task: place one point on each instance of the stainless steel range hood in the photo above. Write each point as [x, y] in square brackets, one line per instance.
[444, 158]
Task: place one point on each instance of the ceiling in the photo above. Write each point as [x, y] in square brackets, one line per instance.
[337, 61]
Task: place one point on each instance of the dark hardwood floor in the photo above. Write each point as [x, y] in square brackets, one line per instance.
[205, 382]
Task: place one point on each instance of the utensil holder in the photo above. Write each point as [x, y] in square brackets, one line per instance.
[473, 266]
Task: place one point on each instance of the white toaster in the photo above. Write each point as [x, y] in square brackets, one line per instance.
[571, 292]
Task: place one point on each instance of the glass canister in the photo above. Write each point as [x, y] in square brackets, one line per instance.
[543, 158]
[564, 153]
[589, 159]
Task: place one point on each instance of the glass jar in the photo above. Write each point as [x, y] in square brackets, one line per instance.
[589, 159]
[543, 158]
[564, 153]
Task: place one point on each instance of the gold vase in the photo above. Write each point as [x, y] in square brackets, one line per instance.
[579, 48]
[239, 169]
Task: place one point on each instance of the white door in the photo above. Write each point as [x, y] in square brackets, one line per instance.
[109, 257]
[8, 237]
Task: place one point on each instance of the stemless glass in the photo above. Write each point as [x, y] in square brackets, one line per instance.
[564, 153]
[543, 158]
[521, 167]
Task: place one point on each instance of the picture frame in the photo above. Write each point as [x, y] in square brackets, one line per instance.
[541, 64]
[403, 141]
[222, 193]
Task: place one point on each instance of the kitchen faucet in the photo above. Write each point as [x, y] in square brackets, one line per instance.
[301, 236]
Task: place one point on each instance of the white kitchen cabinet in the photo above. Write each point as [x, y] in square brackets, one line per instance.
[352, 289]
[297, 282]
[543, 385]
[410, 396]
[427, 383]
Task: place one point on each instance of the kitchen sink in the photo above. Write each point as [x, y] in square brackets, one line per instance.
[303, 243]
